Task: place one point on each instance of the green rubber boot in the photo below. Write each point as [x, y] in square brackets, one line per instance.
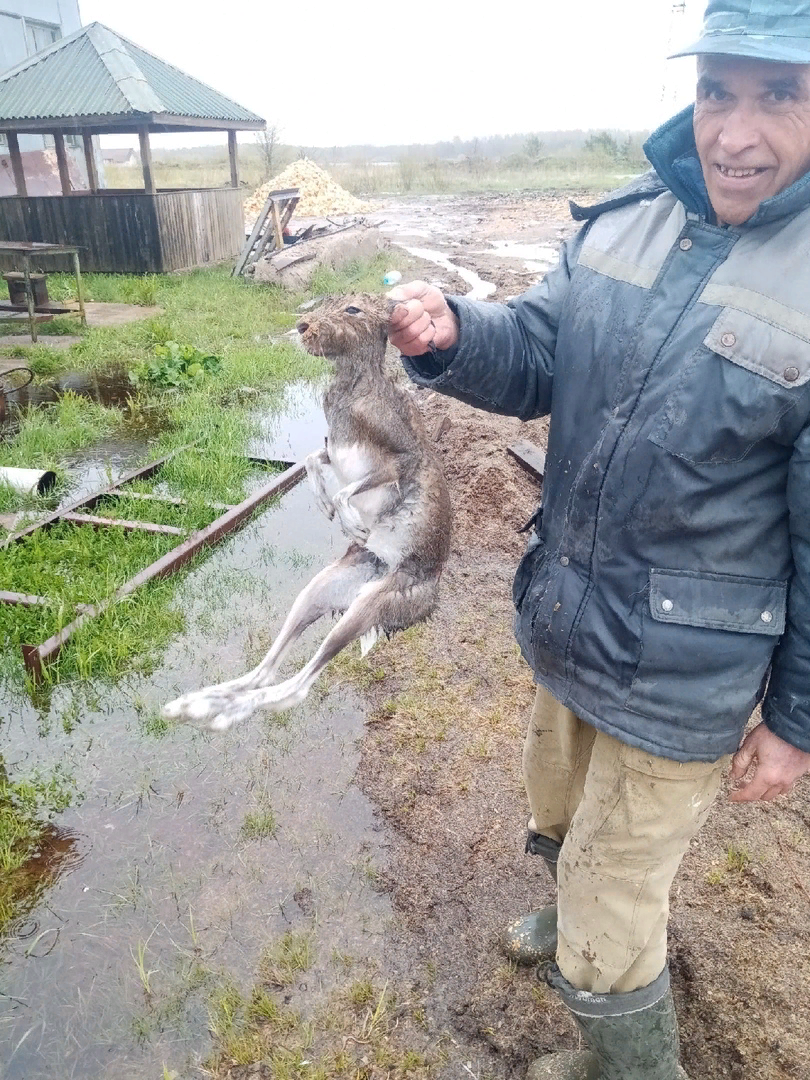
[532, 938]
[631, 1036]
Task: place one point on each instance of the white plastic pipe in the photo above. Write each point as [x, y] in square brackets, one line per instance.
[29, 481]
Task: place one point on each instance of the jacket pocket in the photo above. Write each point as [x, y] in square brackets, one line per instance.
[706, 646]
[527, 568]
[734, 391]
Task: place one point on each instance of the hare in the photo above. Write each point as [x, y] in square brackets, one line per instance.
[392, 504]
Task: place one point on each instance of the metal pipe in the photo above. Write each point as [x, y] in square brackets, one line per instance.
[28, 481]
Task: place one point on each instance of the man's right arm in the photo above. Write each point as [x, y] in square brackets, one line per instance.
[498, 357]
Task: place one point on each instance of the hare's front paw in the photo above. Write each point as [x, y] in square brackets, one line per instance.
[350, 520]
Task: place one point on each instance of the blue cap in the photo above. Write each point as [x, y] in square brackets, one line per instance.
[776, 30]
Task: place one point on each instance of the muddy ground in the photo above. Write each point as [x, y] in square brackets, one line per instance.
[442, 761]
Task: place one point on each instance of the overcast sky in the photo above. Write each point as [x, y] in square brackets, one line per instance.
[368, 71]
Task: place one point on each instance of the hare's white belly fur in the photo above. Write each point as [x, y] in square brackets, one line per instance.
[388, 539]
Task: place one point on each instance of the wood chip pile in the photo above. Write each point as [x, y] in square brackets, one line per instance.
[320, 195]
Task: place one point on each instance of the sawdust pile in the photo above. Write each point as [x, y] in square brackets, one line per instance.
[320, 195]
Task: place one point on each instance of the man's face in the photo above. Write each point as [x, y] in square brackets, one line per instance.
[752, 129]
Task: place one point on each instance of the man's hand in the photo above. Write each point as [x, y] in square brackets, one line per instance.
[777, 766]
[421, 318]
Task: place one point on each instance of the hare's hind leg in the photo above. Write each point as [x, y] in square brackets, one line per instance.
[393, 603]
[333, 589]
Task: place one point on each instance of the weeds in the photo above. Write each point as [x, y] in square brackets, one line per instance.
[140, 963]
[25, 805]
[259, 823]
[283, 961]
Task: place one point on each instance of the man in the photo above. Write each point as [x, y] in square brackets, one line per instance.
[667, 579]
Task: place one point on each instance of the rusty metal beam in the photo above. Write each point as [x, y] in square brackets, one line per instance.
[24, 599]
[167, 499]
[89, 501]
[36, 657]
[122, 523]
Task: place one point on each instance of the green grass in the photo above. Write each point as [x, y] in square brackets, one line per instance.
[286, 958]
[259, 823]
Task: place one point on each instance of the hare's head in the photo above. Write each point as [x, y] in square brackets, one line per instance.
[346, 326]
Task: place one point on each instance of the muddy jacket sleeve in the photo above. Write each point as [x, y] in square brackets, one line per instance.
[504, 359]
[786, 708]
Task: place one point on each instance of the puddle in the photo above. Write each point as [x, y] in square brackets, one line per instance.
[111, 389]
[479, 289]
[155, 857]
[539, 256]
[297, 429]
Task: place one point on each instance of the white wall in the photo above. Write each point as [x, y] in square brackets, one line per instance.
[19, 16]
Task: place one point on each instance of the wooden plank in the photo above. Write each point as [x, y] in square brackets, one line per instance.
[278, 231]
[146, 161]
[51, 309]
[121, 523]
[90, 161]
[530, 456]
[233, 159]
[17, 169]
[62, 162]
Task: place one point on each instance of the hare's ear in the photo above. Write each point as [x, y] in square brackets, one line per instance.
[391, 304]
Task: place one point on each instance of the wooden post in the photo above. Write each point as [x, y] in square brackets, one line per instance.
[146, 161]
[278, 232]
[61, 161]
[234, 160]
[16, 164]
[90, 161]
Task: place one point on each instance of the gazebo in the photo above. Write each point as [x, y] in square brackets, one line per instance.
[95, 82]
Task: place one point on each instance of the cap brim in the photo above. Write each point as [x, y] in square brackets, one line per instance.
[777, 50]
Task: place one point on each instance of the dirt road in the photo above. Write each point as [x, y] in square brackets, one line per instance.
[442, 760]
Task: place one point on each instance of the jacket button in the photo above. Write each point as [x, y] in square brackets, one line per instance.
[791, 374]
[767, 617]
[667, 605]
[685, 244]
[564, 560]
[728, 340]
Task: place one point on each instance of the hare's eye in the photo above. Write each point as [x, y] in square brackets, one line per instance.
[353, 311]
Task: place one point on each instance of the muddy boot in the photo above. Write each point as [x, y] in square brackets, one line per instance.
[631, 1036]
[533, 938]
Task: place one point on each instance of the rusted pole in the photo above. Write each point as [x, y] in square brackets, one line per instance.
[36, 657]
[62, 161]
[79, 287]
[146, 161]
[16, 164]
[29, 297]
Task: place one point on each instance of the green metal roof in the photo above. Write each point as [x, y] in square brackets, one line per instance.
[96, 75]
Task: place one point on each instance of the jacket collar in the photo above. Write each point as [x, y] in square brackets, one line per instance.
[672, 152]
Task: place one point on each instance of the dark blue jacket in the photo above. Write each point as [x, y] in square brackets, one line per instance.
[669, 575]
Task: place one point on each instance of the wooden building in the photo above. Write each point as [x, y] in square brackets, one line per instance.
[93, 83]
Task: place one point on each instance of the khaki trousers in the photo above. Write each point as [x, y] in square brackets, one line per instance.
[625, 819]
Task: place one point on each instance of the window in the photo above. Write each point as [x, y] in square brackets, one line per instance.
[40, 35]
